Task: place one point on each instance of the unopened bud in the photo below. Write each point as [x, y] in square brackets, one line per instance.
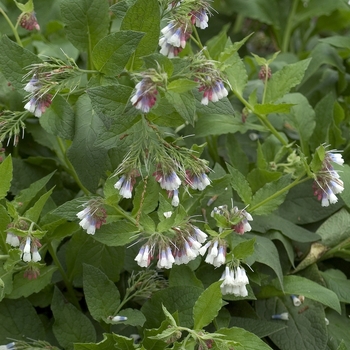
[265, 73]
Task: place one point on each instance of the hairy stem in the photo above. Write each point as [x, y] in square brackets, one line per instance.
[14, 31]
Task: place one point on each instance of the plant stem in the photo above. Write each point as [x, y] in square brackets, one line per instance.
[263, 119]
[278, 193]
[197, 40]
[265, 82]
[68, 284]
[340, 246]
[289, 27]
[70, 167]
[14, 31]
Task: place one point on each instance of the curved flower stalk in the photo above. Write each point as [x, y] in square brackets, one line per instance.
[327, 181]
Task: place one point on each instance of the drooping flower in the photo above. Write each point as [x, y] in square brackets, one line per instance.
[165, 258]
[145, 95]
[213, 90]
[32, 272]
[38, 105]
[296, 300]
[92, 216]
[200, 18]
[167, 180]
[176, 200]
[327, 181]
[243, 225]
[216, 252]
[125, 185]
[29, 21]
[143, 258]
[29, 247]
[175, 36]
[12, 239]
[33, 85]
[234, 282]
[197, 181]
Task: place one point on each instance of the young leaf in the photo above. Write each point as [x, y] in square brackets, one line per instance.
[5, 176]
[244, 249]
[71, 326]
[207, 306]
[102, 296]
[112, 53]
[86, 22]
[34, 212]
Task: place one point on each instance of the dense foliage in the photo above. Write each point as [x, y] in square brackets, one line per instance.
[174, 174]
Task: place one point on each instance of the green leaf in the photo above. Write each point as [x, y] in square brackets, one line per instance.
[19, 320]
[22, 287]
[282, 81]
[6, 176]
[71, 326]
[337, 41]
[265, 252]
[112, 53]
[261, 328]
[268, 194]
[244, 249]
[305, 330]
[301, 116]
[216, 44]
[83, 248]
[28, 7]
[179, 298]
[117, 233]
[184, 276]
[14, 61]
[69, 209]
[240, 185]
[236, 73]
[268, 108]
[146, 192]
[181, 85]
[89, 160]
[296, 233]
[338, 283]
[302, 286]
[184, 104]
[134, 317]
[86, 22]
[335, 229]
[345, 176]
[207, 306]
[338, 328]
[245, 339]
[102, 296]
[143, 16]
[34, 212]
[109, 341]
[27, 197]
[58, 120]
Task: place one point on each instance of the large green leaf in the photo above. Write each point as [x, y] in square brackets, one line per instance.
[338, 283]
[84, 249]
[14, 60]
[302, 286]
[5, 176]
[89, 161]
[240, 185]
[86, 22]
[102, 296]
[143, 16]
[207, 306]
[19, 320]
[113, 52]
[71, 326]
[305, 330]
[184, 104]
[285, 79]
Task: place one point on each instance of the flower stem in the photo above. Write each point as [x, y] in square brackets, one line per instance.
[278, 193]
[289, 27]
[68, 284]
[198, 42]
[265, 83]
[14, 31]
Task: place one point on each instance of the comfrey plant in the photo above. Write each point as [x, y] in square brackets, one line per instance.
[159, 190]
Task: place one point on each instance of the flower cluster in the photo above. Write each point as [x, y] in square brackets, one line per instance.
[235, 219]
[179, 29]
[125, 185]
[216, 252]
[213, 90]
[234, 281]
[327, 182]
[28, 21]
[92, 216]
[182, 249]
[29, 247]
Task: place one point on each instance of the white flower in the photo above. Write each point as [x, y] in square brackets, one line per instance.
[36, 255]
[12, 239]
[235, 282]
[296, 300]
[175, 201]
[199, 235]
[143, 258]
[283, 316]
[117, 318]
[168, 214]
[124, 186]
